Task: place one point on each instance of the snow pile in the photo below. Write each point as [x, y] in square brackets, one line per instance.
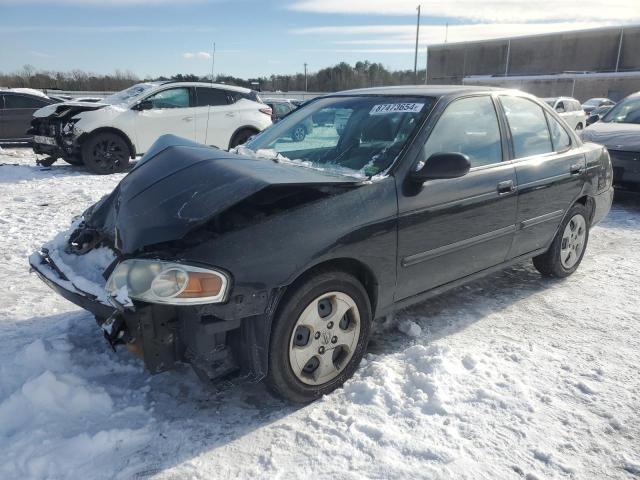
[85, 272]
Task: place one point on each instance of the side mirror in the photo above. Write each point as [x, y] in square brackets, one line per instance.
[144, 105]
[559, 109]
[592, 119]
[443, 165]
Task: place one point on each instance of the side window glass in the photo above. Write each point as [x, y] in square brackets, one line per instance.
[528, 126]
[468, 126]
[211, 97]
[559, 136]
[281, 109]
[172, 98]
[562, 106]
[21, 101]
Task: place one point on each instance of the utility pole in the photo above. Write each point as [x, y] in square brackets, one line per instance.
[213, 60]
[305, 76]
[446, 32]
[415, 58]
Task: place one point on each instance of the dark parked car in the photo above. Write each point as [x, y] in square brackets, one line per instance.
[597, 113]
[619, 131]
[594, 103]
[276, 267]
[282, 108]
[16, 110]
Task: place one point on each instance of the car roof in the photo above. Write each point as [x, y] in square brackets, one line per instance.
[223, 86]
[423, 90]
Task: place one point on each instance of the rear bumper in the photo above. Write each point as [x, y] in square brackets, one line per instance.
[603, 202]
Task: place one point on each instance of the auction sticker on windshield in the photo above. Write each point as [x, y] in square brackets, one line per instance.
[385, 108]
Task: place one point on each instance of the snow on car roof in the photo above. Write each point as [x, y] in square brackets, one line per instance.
[28, 91]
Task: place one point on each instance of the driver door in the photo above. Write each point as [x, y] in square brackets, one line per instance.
[451, 228]
[172, 111]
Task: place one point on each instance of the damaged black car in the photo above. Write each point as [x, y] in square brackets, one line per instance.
[272, 261]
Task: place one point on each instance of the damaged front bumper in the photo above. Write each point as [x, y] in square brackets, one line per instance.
[161, 334]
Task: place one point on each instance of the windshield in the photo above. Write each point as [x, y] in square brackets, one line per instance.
[627, 111]
[359, 135]
[131, 93]
[594, 102]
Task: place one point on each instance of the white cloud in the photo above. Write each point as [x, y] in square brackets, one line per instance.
[433, 34]
[484, 10]
[198, 55]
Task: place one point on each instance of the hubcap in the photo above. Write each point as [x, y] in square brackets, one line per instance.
[573, 241]
[298, 134]
[324, 338]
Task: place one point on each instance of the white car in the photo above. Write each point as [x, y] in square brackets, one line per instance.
[570, 110]
[105, 135]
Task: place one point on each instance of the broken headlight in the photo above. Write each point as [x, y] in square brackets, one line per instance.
[157, 281]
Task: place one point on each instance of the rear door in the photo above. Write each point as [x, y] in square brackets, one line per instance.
[455, 227]
[549, 168]
[172, 111]
[213, 117]
[17, 114]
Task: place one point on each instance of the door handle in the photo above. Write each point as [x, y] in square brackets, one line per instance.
[230, 114]
[505, 187]
[575, 169]
[187, 119]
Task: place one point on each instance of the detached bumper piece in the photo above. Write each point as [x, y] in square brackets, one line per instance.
[161, 334]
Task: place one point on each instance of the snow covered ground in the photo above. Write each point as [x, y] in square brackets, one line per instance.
[513, 376]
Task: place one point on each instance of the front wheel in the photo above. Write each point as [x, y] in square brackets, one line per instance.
[319, 337]
[106, 153]
[568, 246]
[241, 137]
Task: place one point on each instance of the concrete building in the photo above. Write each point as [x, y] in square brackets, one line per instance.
[603, 62]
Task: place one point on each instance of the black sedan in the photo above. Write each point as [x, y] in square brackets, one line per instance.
[16, 111]
[273, 264]
[619, 131]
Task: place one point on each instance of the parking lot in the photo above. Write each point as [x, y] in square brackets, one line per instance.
[513, 376]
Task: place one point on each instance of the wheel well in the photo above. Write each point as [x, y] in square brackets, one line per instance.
[241, 129]
[589, 203]
[348, 265]
[86, 136]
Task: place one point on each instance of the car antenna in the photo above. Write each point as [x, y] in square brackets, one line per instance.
[213, 60]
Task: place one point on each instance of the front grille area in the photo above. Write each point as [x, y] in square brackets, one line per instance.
[624, 156]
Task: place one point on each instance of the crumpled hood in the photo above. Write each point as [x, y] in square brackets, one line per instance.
[180, 185]
[67, 108]
[614, 136]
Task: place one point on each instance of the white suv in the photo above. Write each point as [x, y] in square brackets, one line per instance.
[106, 134]
[570, 110]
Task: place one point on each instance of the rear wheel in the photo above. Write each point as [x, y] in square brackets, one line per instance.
[568, 246]
[299, 133]
[106, 153]
[241, 137]
[319, 337]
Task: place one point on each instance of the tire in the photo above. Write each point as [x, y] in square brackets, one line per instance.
[298, 134]
[573, 232]
[75, 159]
[337, 291]
[106, 153]
[579, 127]
[241, 137]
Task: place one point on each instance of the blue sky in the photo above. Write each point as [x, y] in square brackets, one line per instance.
[162, 37]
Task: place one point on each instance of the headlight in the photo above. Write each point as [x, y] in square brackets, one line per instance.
[155, 281]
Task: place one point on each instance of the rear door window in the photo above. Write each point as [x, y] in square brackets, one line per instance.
[468, 126]
[528, 126]
[211, 97]
[559, 136]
